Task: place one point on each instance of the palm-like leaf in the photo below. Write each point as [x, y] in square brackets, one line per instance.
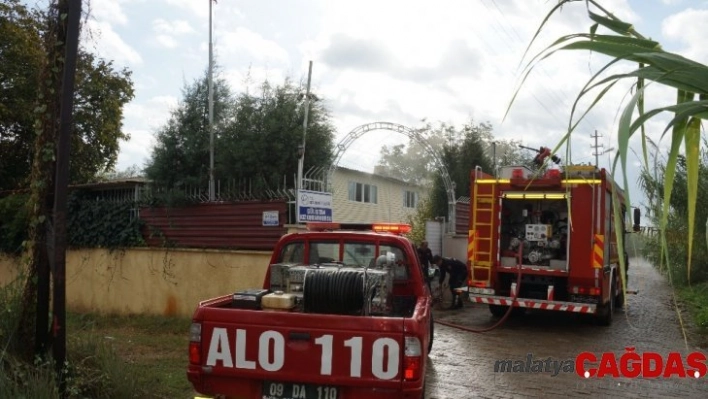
[688, 77]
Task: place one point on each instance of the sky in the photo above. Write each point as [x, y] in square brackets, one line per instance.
[403, 62]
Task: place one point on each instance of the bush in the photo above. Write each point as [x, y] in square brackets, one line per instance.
[10, 307]
[14, 220]
[96, 223]
[95, 371]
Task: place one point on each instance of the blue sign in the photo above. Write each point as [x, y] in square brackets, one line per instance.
[314, 206]
[270, 218]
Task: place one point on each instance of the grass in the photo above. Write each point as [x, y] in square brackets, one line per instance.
[696, 298]
[152, 350]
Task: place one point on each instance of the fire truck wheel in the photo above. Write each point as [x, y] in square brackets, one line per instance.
[498, 310]
[432, 334]
[619, 299]
[604, 312]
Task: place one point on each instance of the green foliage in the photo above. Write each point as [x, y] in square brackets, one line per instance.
[459, 150]
[10, 306]
[92, 223]
[180, 156]
[262, 143]
[95, 370]
[676, 229]
[92, 370]
[696, 297]
[461, 154]
[424, 212]
[255, 137]
[21, 380]
[14, 221]
[20, 47]
[103, 224]
[688, 78]
[101, 93]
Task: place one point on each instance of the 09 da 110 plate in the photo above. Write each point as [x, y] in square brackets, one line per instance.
[290, 390]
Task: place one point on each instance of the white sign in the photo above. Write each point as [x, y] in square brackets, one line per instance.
[270, 218]
[384, 363]
[314, 206]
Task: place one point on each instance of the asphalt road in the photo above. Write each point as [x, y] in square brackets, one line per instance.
[462, 364]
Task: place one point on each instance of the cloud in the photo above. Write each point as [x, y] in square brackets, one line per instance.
[200, 8]
[109, 11]
[166, 41]
[136, 151]
[174, 28]
[167, 32]
[109, 44]
[253, 44]
[151, 113]
[689, 28]
[346, 52]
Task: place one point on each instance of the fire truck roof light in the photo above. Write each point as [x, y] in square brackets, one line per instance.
[582, 181]
[535, 195]
[396, 228]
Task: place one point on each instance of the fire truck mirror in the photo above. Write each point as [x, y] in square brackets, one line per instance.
[637, 217]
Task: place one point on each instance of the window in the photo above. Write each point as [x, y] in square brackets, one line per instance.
[293, 252]
[410, 199]
[324, 252]
[358, 254]
[361, 192]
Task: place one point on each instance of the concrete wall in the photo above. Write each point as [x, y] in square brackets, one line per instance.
[455, 246]
[152, 280]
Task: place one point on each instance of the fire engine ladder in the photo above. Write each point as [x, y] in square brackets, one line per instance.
[482, 231]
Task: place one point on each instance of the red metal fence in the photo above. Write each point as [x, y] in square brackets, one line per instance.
[224, 225]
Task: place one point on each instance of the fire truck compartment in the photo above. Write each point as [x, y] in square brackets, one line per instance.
[540, 225]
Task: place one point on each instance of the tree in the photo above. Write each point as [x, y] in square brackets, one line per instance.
[256, 138]
[181, 153]
[464, 150]
[262, 143]
[102, 91]
[689, 78]
[21, 54]
[413, 162]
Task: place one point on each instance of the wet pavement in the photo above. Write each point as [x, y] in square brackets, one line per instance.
[462, 364]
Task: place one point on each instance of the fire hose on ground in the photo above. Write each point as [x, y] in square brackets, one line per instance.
[508, 311]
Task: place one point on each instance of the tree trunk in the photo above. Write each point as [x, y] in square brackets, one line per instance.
[34, 319]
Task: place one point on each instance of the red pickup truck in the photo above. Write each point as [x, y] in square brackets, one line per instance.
[344, 312]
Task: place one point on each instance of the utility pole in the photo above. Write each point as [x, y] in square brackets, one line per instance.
[301, 149]
[494, 158]
[211, 109]
[596, 147]
[73, 9]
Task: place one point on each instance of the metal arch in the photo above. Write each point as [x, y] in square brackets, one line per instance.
[359, 131]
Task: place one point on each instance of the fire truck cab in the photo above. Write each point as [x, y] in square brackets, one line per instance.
[548, 240]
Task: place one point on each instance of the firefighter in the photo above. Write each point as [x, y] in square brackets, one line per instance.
[458, 276]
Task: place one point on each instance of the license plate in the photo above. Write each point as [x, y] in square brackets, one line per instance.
[293, 390]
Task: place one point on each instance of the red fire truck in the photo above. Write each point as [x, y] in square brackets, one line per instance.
[547, 240]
